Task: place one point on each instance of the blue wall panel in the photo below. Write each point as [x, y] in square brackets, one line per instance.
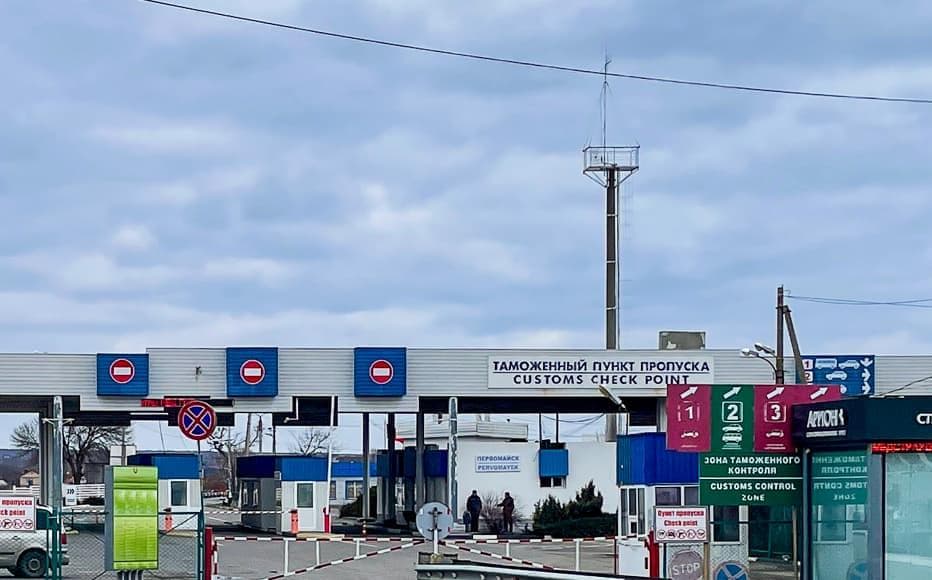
[303, 468]
[255, 466]
[170, 465]
[643, 459]
[554, 462]
[351, 469]
[435, 463]
[137, 386]
[237, 387]
[363, 360]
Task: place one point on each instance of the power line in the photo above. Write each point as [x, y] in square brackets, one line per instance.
[540, 65]
[915, 303]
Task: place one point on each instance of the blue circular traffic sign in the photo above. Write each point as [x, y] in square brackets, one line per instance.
[197, 420]
[730, 571]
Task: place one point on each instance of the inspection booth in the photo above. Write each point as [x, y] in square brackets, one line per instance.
[271, 486]
[868, 488]
[649, 475]
[179, 487]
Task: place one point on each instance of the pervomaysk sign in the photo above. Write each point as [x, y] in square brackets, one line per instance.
[515, 372]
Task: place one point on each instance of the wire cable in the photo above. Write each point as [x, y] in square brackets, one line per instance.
[914, 303]
[540, 65]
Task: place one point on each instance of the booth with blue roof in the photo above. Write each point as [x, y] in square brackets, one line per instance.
[179, 487]
[274, 485]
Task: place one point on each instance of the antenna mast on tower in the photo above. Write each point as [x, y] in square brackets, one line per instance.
[610, 166]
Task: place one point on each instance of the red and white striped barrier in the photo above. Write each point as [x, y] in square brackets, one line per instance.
[537, 565]
[322, 565]
[348, 539]
[469, 542]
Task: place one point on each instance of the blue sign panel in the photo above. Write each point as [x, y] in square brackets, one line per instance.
[380, 372]
[252, 372]
[854, 372]
[122, 375]
[730, 571]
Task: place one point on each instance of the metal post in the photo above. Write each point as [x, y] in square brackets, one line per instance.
[420, 489]
[780, 374]
[706, 561]
[333, 420]
[508, 549]
[436, 540]
[357, 542]
[317, 551]
[365, 467]
[795, 546]
[611, 281]
[201, 521]
[451, 459]
[390, 495]
[285, 556]
[55, 488]
[578, 543]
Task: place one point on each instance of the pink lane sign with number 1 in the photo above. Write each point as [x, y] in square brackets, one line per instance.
[689, 421]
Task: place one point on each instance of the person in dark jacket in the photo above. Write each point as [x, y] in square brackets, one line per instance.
[508, 512]
[474, 507]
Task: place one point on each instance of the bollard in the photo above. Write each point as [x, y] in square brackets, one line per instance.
[578, 543]
[169, 523]
[317, 551]
[326, 520]
[285, 556]
[294, 522]
[508, 549]
[209, 547]
[356, 541]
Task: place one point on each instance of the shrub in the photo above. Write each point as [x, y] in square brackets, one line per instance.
[580, 517]
[354, 508]
[603, 525]
[548, 511]
[587, 504]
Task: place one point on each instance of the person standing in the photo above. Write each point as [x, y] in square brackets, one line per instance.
[508, 512]
[474, 507]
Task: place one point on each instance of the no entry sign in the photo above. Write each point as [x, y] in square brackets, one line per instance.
[381, 372]
[122, 371]
[252, 372]
[197, 420]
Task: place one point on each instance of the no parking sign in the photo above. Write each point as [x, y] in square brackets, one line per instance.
[197, 420]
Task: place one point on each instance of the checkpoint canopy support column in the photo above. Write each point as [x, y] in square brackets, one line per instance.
[390, 480]
[420, 489]
[451, 459]
[365, 466]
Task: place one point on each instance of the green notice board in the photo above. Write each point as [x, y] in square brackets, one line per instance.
[131, 535]
[839, 477]
[750, 479]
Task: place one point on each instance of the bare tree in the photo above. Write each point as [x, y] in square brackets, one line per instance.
[229, 445]
[311, 442]
[79, 442]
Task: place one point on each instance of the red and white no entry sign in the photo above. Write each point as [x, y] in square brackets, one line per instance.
[122, 371]
[252, 372]
[381, 372]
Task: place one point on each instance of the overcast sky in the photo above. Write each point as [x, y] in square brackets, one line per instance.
[174, 179]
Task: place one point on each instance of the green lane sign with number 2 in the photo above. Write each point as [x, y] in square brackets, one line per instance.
[732, 418]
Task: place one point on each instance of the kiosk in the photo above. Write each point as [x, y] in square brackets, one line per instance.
[868, 488]
[276, 488]
[179, 487]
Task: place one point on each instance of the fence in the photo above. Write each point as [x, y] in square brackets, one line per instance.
[178, 546]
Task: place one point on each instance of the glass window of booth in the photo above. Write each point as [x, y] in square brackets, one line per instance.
[179, 493]
[838, 488]
[305, 497]
[908, 515]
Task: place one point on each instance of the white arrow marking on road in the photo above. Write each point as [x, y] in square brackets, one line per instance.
[689, 392]
[734, 391]
[777, 391]
[821, 391]
[866, 362]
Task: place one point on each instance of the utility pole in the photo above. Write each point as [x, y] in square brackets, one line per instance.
[259, 433]
[610, 167]
[780, 374]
